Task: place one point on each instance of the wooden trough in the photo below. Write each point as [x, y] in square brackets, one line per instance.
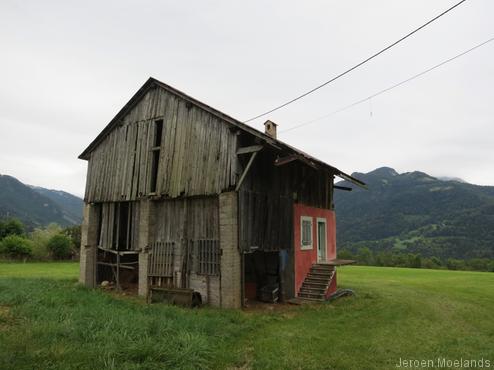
[179, 296]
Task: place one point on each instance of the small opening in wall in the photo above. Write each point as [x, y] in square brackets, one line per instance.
[261, 277]
[154, 170]
[155, 157]
[158, 127]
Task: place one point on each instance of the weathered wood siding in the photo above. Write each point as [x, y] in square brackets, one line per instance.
[266, 201]
[265, 222]
[110, 234]
[296, 180]
[185, 223]
[197, 156]
[192, 218]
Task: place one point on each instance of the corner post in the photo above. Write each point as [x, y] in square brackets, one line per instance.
[89, 240]
[146, 227]
[230, 255]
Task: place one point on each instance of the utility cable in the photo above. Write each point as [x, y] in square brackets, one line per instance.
[357, 65]
[391, 87]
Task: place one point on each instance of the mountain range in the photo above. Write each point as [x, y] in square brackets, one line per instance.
[414, 212]
[36, 206]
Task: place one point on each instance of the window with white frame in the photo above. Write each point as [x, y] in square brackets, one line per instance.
[306, 232]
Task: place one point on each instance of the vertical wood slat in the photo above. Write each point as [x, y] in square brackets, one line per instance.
[110, 225]
[266, 221]
[161, 259]
[208, 256]
[119, 166]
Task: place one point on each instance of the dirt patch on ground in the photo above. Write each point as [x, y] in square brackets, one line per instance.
[6, 317]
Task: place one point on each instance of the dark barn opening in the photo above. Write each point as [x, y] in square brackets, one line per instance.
[158, 133]
[262, 276]
[117, 259]
[120, 270]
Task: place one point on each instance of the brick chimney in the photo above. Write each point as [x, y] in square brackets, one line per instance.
[270, 128]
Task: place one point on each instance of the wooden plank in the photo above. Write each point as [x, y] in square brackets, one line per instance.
[294, 157]
[345, 188]
[122, 266]
[285, 160]
[246, 170]
[249, 149]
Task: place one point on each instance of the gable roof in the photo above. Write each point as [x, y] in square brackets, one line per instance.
[275, 143]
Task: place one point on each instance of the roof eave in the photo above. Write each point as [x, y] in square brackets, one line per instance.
[85, 155]
[274, 143]
[145, 88]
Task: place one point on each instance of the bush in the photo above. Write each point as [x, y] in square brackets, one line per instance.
[15, 246]
[74, 233]
[41, 237]
[414, 260]
[436, 261]
[11, 226]
[454, 264]
[365, 256]
[385, 259]
[345, 254]
[490, 266]
[60, 246]
[478, 264]
[431, 263]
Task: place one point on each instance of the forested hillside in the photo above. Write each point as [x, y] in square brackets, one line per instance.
[416, 213]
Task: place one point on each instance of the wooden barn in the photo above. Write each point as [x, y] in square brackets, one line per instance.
[183, 198]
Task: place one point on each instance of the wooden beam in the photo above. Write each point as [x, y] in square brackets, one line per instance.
[118, 252]
[294, 157]
[118, 272]
[246, 170]
[353, 180]
[331, 192]
[249, 149]
[285, 160]
[122, 266]
[342, 188]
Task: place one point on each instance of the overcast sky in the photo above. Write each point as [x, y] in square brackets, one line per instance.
[67, 67]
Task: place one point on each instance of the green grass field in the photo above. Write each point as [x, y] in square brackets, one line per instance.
[48, 321]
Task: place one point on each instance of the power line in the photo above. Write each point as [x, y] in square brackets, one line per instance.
[391, 87]
[357, 65]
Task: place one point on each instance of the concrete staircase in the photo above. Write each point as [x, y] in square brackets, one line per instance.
[316, 282]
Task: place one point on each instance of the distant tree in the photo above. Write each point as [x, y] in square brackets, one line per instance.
[436, 261]
[490, 266]
[365, 256]
[11, 226]
[431, 263]
[15, 246]
[345, 254]
[427, 263]
[454, 264]
[478, 264]
[414, 260]
[74, 233]
[378, 259]
[60, 246]
[387, 259]
[400, 260]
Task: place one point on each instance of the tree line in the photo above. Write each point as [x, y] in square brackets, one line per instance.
[44, 243]
[365, 256]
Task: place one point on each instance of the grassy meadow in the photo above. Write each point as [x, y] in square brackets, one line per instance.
[48, 321]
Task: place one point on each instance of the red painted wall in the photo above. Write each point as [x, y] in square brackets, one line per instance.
[305, 258]
[332, 286]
